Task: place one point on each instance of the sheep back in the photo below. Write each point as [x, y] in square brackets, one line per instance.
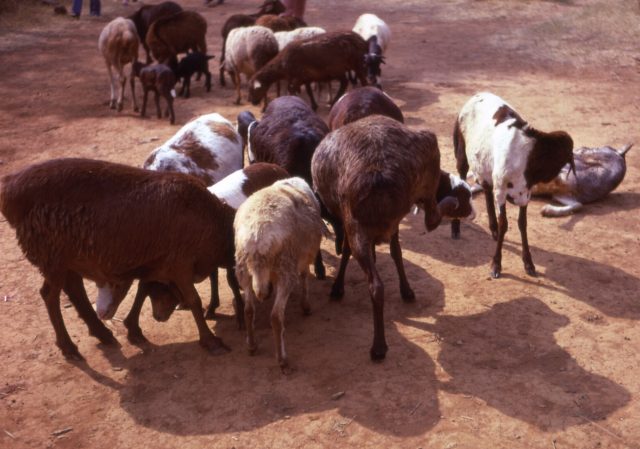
[285, 37]
[249, 48]
[178, 33]
[280, 23]
[362, 102]
[368, 25]
[118, 42]
[147, 14]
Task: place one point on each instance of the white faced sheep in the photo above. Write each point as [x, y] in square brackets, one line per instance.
[287, 135]
[507, 157]
[79, 218]
[320, 58]
[247, 50]
[376, 32]
[118, 43]
[598, 171]
[147, 14]
[277, 235]
[178, 33]
[368, 174]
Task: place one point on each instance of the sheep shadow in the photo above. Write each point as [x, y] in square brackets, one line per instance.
[508, 357]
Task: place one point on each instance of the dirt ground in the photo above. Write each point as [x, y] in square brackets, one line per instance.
[547, 362]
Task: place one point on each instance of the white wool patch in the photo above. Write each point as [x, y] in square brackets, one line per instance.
[229, 189]
[252, 156]
[173, 93]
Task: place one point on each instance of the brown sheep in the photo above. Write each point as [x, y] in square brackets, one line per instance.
[178, 33]
[147, 14]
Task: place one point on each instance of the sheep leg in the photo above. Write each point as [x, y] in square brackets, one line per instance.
[249, 318]
[363, 252]
[236, 82]
[132, 81]
[396, 253]
[145, 95]
[156, 98]
[123, 82]
[74, 288]
[238, 303]
[210, 313]
[283, 291]
[112, 85]
[307, 88]
[337, 290]
[341, 90]
[570, 205]
[491, 210]
[172, 116]
[207, 80]
[132, 321]
[529, 267]
[304, 298]
[463, 170]
[318, 267]
[503, 226]
[210, 342]
[50, 293]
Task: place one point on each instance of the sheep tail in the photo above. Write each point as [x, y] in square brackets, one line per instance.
[260, 280]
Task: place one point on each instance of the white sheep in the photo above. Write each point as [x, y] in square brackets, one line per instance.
[118, 43]
[208, 147]
[369, 25]
[247, 50]
[507, 157]
[285, 37]
[277, 235]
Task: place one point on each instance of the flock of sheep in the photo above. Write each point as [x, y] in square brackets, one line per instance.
[193, 208]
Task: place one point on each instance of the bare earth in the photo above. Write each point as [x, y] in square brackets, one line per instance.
[546, 362]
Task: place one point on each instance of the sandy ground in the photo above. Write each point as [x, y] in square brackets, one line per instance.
[546, 362]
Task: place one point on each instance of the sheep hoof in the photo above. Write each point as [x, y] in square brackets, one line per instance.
[182, 306]
[70, 352]
[252, 348]
[136, 109]
[136, 337]
[455, 234]
[407, 294]
[320, 271]
[530, 269]
[214, 345]
[337, 292]
[495, 270]
[210, 313]
[285, 368]
[494, 235]
[119, 107]
[378, 354]
[105, 336]
[112, 105]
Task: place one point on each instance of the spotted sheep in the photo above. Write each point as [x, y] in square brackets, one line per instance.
[507, 157]
[598, 171]
[110, 223]
[118, 43]
[277, 235]
[368, 174]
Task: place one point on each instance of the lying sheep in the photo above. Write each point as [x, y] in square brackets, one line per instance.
[245, 20]
[368, 174]
[321, 58]
[118, 43]
[507, 157]
[80, 218]
[598, 171]
[147, 14]
[376, 32]
[161, 80]
[248, 49]
[277, 235]
[287, 135]
[178, 33]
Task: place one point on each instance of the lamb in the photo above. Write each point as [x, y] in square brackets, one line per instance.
[598, 172]
[362, 102]
[194, 62]
[147, 14]
[208, 148]
[368, 174]
[277, 234]
[324, 57]
[376, 32]
[178, 33]
[298, 34]
[118, 43]
[507, 157]
[159, 79]
[280, 23]
[287, 135]
[244, 20]
[81, 218]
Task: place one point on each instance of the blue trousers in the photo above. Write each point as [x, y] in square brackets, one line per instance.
[94, 7]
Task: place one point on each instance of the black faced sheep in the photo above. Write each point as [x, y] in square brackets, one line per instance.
[277, 235]
[194, 62]
[378, 35]
[368, 174]
[598, 171]
[507, 157]
[118, 43]
[111, 223]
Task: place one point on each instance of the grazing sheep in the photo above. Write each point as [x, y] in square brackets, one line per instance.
[378, 35]
[194, 62]
[244, 20]
[80, 218]
[321, 58]
[277, 235]
[368, 174]
[507, 157]
[118, 43]
[208, 148]
[362, 102]
[248, 49]
[147, 14]
[179, 33]
[161, 80]
[287, 135]
[280, 23]
[598, 171]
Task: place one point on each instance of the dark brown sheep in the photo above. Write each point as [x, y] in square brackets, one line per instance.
[368, 174]
[80, 218]
[280, 23]
[161, 80]
[178, 33]
[147, 14]
[362, 102]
